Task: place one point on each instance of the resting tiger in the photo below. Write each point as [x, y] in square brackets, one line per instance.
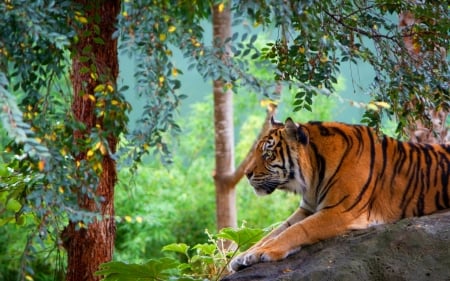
[349, 178]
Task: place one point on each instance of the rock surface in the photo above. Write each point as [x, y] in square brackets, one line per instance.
[411, 249]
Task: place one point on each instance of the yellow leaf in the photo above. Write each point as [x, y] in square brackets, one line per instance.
[29, 277]
[162, 37]
[97, 145]
[139, 219]
[91, 97]
[195, 42]
[221, 7]
[61, 189]
[41, 165]
[100, 103]
[115, 102]
[301, 50]
[323, 59]
[97, 166]
[383, 104]
[161, 79]
[94, 76]
[372, 107]
[90, 153]
[103, 150]
[174, 71]
[81, 19]
[110, 88]
[99, 88]
[124, 13]
[267, 102]
[128, 218]
[171, 28]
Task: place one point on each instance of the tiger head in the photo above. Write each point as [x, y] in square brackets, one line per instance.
[275, 162]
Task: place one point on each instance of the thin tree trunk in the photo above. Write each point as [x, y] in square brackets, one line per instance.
[223, 122]
[88, 247]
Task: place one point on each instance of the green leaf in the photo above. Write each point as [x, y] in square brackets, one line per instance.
[207, 249]
[13, 205]
[99, 41]
[177, 247]
[152, 270]
[244, 237]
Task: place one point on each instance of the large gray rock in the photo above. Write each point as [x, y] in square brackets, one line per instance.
[411, 249]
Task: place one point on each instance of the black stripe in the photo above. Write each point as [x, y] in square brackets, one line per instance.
[400, 161]
[428, 166]
[384, 148]
[436, 201]
[360, 138]
[420, 205]
[338, 203]
[333, 178]
[321, 166]
[413, 182]
[372, 163]
[444, 163]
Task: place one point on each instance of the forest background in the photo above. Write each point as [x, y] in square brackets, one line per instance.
[159, 204]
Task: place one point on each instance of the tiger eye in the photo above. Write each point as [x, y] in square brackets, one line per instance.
[267, 154]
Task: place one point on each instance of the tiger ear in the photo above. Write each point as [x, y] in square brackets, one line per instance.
[295, 131]
[274, 123]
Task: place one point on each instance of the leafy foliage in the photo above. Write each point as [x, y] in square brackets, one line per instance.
[316, 39]
[204, 261]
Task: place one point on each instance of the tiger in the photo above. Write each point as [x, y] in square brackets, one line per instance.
[349, 177]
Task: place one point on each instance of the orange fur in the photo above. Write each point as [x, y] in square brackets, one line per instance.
[349, 178]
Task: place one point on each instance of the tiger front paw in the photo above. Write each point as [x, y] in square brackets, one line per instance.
[249, 258]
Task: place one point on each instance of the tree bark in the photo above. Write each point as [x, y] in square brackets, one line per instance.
[88, 247]
[226, 177]
[224, 129]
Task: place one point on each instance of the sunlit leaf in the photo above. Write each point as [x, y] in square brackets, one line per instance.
[244, 237]
[181, 248]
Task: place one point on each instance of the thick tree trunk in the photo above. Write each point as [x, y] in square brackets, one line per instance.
[88, 247]
[223, 122]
